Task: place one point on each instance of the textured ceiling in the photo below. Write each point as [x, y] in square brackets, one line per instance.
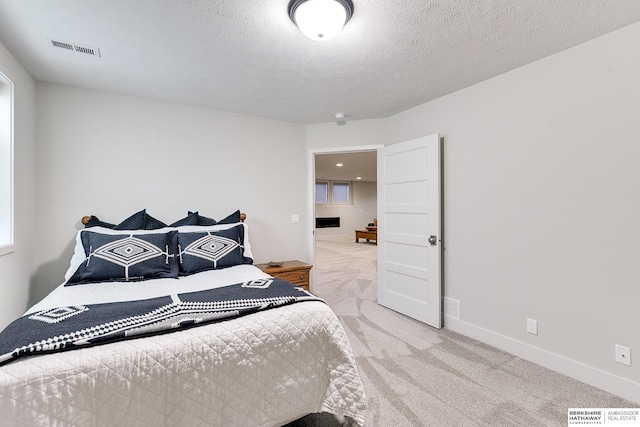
[246, 56]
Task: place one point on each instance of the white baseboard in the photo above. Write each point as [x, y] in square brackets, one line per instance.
[622, 387]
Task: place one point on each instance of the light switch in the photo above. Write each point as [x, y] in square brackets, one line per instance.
[295, 219]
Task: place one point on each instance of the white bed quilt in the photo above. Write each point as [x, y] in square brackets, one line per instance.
[265, 369]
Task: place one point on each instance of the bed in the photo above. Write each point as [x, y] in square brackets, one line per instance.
[223, 344]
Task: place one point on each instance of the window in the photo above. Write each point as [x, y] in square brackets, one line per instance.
[6, 165]
[341, 193]
[322, 192]
[338, 193]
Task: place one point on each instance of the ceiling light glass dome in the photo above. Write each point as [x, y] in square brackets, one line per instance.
[320, 19]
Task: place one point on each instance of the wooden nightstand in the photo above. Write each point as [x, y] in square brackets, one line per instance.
[296, 272]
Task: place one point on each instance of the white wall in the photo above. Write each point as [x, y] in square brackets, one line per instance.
[356, 133]
[111, 155]
[354, 216]
[542, 208]
[16, 267]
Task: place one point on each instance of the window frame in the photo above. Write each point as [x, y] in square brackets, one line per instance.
[349, 192]
[7, 240]
[329, 185]
[327, 192]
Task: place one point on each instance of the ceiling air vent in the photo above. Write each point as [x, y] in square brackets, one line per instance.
[74, 47]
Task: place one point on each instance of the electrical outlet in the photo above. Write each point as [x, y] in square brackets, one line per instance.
[623, 355]
[532, 326]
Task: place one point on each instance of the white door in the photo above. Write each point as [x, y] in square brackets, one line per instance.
[409, 245]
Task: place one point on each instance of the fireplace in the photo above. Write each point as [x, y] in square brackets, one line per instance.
[328, 222]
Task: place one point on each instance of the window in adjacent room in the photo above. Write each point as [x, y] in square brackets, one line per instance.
[322, 192]
[341, 193]
[6, 165]
[334, 192]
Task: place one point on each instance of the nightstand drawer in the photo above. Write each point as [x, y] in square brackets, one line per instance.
[299, 277]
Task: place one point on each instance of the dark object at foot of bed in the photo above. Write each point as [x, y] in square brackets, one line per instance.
[316, 420]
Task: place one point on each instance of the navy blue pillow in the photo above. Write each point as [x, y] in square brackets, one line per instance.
[231, 219]
[190, 219]
[209, 250]
[95, 222]
[193, 218]
[140, 221]
[126, 257]
[153, 224]
[203, 220]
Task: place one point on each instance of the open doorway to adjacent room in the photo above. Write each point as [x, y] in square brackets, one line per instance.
[344, 201]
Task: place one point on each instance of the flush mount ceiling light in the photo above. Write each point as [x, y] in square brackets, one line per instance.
[320, 19]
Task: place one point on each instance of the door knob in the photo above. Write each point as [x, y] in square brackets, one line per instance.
[433, 240]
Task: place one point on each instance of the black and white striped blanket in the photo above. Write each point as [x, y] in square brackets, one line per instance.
[67, 328]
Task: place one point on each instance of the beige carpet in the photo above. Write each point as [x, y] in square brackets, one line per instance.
[415, 375]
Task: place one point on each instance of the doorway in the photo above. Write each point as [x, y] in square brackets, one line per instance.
[347, 201]
[409, 211]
